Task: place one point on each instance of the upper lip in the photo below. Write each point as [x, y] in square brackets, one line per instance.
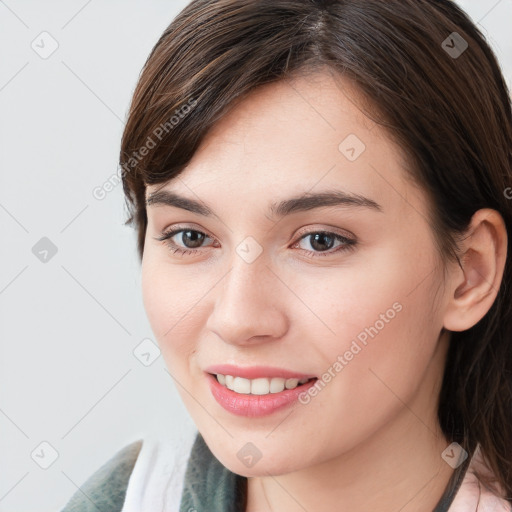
[255, 372]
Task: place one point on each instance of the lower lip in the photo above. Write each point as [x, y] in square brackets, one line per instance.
[255, 405]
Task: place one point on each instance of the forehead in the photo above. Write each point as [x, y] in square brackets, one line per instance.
[294, 136]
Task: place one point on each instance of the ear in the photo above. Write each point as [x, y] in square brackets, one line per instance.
[474, 288]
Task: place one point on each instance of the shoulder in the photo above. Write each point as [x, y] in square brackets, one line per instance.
[106, 488]
[474, 495]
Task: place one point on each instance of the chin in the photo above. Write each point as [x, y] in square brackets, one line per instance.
[260, 469]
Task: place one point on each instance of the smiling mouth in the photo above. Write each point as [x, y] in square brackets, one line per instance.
[259, 386]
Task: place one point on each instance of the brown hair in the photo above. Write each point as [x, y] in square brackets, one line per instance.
[449, 112]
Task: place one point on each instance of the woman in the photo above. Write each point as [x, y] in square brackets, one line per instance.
[320, 195]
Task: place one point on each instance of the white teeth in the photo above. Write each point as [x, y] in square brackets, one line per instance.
[291, 383]
[229, 381]
[277, 385]
[261, 386]
[241, 385]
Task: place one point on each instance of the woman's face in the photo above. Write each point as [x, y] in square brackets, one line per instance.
[345, 290]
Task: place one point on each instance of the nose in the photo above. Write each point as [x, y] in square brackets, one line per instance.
[248, 306]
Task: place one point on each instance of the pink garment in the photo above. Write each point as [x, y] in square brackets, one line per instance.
[472, 496]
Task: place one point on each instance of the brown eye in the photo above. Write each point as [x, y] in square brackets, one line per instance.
[321, 241]
[191, 240]
[324, 241]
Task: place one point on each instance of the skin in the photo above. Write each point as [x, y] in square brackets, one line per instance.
[370, 439]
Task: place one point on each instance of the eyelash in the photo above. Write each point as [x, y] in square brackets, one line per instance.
[348, 243]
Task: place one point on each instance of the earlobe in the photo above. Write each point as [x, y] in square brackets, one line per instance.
[475, 286]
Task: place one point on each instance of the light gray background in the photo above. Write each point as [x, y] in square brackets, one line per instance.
[69, 326]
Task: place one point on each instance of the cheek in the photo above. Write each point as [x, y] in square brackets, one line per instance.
[385, 337]
[353, 297]
[381, 303]
[172, 300]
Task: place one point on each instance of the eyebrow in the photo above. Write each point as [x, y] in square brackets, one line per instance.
[304, 202]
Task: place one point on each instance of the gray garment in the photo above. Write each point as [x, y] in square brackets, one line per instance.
[208, 487]
[105, 489]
